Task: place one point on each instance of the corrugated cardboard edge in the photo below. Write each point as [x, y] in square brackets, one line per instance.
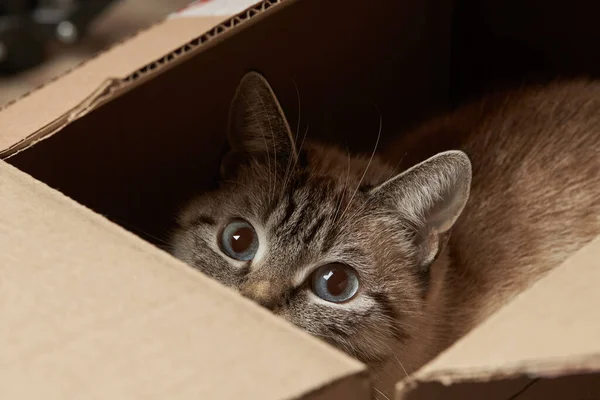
[546, 369]
[220, 32]
[114, 87]
[90, 103]
[543, 367]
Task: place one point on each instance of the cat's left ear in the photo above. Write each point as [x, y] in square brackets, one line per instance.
[431, 195]
[257, 125]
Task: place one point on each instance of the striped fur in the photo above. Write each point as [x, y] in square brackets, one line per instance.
[534, 199]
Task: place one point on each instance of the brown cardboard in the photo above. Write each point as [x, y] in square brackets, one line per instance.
[136, 131]
[550, 331]
[88, 310]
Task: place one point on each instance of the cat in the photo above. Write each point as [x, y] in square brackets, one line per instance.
[390, 267]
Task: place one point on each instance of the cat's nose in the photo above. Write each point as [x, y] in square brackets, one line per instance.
[261, 292]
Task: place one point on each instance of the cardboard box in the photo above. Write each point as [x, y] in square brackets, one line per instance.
[91, 311]
[543, 345]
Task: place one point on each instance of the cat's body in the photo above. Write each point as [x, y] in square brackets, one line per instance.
[535, 193]
[424, 265]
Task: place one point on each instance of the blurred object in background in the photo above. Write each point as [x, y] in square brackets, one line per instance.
[26, 27]
[40, 39]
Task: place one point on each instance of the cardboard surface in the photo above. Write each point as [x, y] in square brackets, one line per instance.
[89, 311]
[92, 312]
[205, 8]
[549, 331]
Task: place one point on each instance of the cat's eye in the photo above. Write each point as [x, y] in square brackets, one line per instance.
[239, 240]
[335, 282]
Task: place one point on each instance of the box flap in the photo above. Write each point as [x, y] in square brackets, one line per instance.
[204, 8]
[82, 89]
[550, 331]
[89, 311]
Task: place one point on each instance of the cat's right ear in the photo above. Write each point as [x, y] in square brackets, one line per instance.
[257, 125]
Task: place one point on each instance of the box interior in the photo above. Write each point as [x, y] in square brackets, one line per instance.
[507, 42]
[138, 158]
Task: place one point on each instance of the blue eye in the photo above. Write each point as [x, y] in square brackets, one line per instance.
[239, 240]
[335, 282]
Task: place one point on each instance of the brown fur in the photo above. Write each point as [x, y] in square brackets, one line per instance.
[534, 200]
[535, 195]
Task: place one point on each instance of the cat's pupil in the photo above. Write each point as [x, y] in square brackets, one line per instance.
[337, 281]
[241, 239]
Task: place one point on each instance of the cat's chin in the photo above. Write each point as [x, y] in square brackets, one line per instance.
[423, 349]
[386, 376]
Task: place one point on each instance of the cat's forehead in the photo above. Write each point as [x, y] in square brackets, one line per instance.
[314, 218]
[309, 203]
[313, 208]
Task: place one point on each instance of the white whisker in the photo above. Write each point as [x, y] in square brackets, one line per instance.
[381, 393]
[139, 231]
[295, 152]
[339, 205]
[396, 167]
[238, 183]
[298, 97]
[397, 359]
[301, 144]
[368, 165]
[263, 135]
[274, 140]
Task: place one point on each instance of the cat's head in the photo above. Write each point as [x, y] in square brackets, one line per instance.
[331, 242]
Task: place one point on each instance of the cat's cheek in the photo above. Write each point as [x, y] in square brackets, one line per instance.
[184, 252]
[298, 313]
[295, 319]
[283, 313]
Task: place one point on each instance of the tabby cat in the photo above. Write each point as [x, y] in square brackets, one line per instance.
[363, 257]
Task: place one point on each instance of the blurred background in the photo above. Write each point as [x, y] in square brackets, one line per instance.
[40, 39]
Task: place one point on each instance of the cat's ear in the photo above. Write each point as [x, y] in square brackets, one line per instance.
[431, 195]
[257, 125]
